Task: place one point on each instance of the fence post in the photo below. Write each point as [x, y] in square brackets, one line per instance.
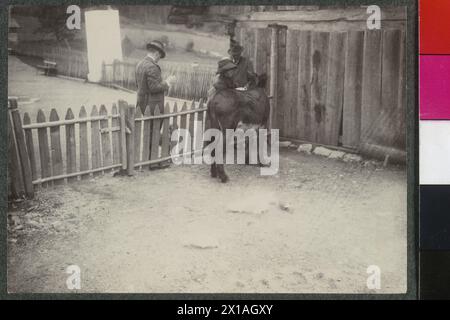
[103, 73]
[20, 146]
[114, 65]
[273, 72]
[123, 134]
[130, 139]
[15, 174]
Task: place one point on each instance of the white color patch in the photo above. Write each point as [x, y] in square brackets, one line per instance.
[434, 152]
[103, 40]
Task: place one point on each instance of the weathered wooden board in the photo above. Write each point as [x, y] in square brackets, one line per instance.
[84, 146]
[335, 87]
[156, 134]
[165, 134]
[323, 15]
[96, 156]
[44, 153]
[105, 138]
[262, 51]
[281, 81]
[71, 147]
[290, 102]
[304, 115]
[174, 126]
[16, 187]
[22, 149]
[123, 110]
[390, 89]
[130, 120]
[138, 136]
[200, 128]
[192, 119]
[146, 136]
[30, 146]
[319, 51]
[248, 42]
[371, 84]
[183, 125]
[115, 122]
[353, 89]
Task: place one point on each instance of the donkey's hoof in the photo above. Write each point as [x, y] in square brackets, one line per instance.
[224, 179]
[213, 174]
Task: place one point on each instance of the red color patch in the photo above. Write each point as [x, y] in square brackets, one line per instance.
[434, 26]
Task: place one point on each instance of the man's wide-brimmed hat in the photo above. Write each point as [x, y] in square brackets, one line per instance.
[158, 45]
[225, 65]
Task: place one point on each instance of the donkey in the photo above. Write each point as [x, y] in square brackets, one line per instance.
[229, 107]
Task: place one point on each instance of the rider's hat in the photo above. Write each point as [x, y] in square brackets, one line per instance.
[225, 64]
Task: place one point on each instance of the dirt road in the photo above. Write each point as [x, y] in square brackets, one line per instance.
[314, 227]
[46, 93]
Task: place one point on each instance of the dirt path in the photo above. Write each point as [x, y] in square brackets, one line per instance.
[24, 81]
[315, 227]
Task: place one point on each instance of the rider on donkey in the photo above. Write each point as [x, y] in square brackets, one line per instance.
[224, 78]
[244, 73]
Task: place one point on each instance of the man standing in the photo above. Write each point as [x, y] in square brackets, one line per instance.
[243, 74]
[150, 85]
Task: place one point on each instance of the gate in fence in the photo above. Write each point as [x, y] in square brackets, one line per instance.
[69, 148]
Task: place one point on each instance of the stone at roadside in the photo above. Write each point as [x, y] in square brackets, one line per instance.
[285, 144]
[284, 206]
[336, 154]
[307, 148]
[322, 151]
[349, 157]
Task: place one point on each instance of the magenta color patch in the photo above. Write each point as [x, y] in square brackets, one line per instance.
[434, 87]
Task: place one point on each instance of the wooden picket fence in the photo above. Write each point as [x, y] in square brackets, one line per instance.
[66, 149]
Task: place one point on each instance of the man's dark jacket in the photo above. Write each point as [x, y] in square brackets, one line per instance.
[243, 73]
[151, 87]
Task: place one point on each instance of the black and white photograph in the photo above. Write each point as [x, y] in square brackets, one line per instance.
[207, 149]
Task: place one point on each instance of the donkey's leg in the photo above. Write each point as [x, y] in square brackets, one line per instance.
[220, 167]
[267, 141]
[222, 174]
[213, 165]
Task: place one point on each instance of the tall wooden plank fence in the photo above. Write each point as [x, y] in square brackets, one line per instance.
[338, 88]
[57, 149]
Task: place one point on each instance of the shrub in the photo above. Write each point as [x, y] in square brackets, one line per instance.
[190, 46]
[164, 40]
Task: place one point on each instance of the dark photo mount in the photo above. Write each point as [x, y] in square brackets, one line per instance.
[357, 155]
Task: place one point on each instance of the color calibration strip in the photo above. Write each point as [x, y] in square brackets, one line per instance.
[434, 148]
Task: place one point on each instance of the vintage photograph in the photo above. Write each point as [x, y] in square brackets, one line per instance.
[207, 149]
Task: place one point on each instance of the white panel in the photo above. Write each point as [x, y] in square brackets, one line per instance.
[103, 40]
[434, 149]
